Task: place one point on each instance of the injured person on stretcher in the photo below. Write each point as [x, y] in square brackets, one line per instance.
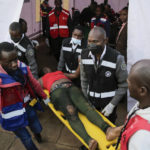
[70, 100]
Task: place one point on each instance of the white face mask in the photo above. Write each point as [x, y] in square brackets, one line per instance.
[76, 41]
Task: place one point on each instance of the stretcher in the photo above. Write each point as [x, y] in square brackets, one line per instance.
[91, 129]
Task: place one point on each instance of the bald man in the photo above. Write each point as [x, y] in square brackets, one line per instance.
[103, 74]
[136, 132]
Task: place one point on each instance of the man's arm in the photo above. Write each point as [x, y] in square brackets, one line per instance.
[30, 56]
[84, 80]
[36, 85]
[73, 75]
[61, 63]
[121, 76]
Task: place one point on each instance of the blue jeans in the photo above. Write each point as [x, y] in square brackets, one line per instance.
[35, 127]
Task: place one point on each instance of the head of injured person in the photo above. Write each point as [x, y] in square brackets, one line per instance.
[97, 40]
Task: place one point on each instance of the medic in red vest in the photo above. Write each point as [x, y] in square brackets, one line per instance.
[135, 135]
[59, 22]
[60, 27]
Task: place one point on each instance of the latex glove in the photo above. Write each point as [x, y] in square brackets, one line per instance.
[46, 101]
[108, 109]
[35, 42]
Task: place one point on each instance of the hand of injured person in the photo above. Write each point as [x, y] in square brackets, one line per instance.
[108, 109]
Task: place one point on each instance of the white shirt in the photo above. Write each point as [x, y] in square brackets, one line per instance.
[93, 57]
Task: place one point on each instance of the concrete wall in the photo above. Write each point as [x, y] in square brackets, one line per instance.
[29, 14]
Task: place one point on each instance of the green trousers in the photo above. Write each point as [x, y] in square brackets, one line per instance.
[71, 101]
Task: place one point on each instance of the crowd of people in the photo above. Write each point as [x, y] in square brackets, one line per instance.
[91, 50]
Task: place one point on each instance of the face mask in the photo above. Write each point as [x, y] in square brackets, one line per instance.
[95, 49]
[76, 41]
[16, 40]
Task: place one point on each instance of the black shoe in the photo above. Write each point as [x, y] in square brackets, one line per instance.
[38, 137]
[82, 148]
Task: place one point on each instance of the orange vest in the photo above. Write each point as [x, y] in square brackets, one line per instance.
[58, 24]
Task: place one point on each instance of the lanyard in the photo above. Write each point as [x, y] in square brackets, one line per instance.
[123, 129]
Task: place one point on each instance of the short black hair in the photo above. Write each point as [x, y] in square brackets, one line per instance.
[15, 26]
[102, 8]
[78, 27]
[7, 47]
[125, 9]
[21, 20]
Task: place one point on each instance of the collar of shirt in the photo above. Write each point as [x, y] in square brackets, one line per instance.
[19, 41]
[74, 46]
[93, 57]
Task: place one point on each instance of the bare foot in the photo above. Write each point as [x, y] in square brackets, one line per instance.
[92, 144]
[113, 132]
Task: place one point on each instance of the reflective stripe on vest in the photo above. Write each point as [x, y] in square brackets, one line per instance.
[60, 27]
[108, 64]
[21, 48]
[104, 63]
[70, 71]
[87, 62]
[102, 95]
[65, 12]
[13, 113]
[69, 49]
[79, 50]
[51, 14]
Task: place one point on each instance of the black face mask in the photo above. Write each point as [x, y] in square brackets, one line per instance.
[95, 49]
[16, 40]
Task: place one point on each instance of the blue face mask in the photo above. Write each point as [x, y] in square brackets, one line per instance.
[76, 41]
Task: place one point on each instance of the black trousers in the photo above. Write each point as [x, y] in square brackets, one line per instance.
[44, 25]
[56, 46]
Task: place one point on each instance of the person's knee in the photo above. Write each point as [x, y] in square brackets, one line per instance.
[72, 112]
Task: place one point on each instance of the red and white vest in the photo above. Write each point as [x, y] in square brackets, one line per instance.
[135, 124]
[58, 24]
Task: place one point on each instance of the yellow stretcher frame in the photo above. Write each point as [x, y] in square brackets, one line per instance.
[91, 129]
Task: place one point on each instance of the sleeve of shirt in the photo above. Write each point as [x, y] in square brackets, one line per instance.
[121, 77]
[61, 63]
[84, 80]
[140, 141]
[36, 85]
[30, 56]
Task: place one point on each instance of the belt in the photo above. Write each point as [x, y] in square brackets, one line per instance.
[61, 85]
